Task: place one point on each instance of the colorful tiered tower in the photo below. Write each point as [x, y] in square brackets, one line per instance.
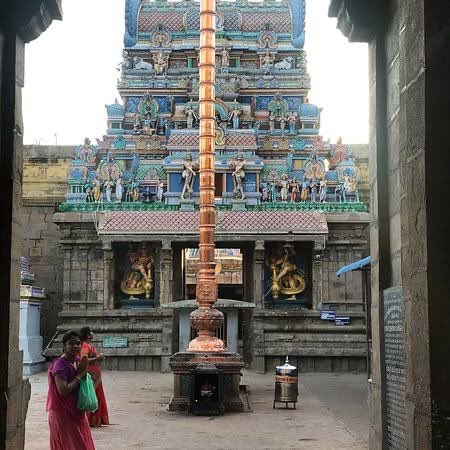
[262, 108]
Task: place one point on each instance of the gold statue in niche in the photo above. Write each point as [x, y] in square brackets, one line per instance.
[139, 277]
[285, 277]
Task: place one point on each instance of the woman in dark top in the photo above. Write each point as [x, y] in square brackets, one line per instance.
[69, 428]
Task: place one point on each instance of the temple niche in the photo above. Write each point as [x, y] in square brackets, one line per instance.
[135, 275]
[287, 200]
[287, 275]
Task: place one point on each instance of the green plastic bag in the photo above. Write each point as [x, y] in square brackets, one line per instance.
[87, 398]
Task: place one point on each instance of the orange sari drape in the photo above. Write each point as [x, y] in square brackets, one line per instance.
[99, 417]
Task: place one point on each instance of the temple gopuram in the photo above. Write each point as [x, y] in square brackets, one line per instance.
[288, 206]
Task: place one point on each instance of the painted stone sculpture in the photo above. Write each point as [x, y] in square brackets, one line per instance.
[160, 60]
[87, 152]
[238, 176]
[285, 277]
[138, 279]
[225, 58]
[267, 38]
[284, 189]
[108, 169]
[188, 176]
[278, 106]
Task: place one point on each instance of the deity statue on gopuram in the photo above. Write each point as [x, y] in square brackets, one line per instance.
[263, 112]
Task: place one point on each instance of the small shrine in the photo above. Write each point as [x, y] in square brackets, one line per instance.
[30, 339]
[287, 201]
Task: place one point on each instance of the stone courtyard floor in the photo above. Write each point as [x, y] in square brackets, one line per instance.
[331, 414]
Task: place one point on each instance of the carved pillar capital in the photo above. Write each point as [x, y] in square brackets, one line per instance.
[108, 278]
[259, 246]
[166, 245]
[317, 279]
[106, 245]
[35, 16]
[356, 19]
[258, 273]
[319, 243]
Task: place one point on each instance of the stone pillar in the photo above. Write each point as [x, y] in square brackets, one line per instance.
[30, 339]
[425, 239]
[247, 273]
[166, 273]
[14, 391]
[409, 110]
[184, 329]
[339, 283]
[19, 23]
[325, 275]
[379, 234]
[317, 279]
[80, 275]
[67, 275]
[258, 357]
[258, 274]
[178, 286]
[108, 276]
[257, 324]
[232, 329]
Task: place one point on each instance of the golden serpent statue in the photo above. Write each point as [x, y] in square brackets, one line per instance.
[285, 277]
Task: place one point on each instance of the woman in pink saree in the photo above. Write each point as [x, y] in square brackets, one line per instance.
[69, 428]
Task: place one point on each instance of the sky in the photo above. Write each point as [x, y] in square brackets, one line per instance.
[70, 74]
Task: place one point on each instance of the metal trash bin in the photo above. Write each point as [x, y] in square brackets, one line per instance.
[286, 384]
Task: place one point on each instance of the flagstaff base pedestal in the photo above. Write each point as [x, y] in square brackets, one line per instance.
[184, 366]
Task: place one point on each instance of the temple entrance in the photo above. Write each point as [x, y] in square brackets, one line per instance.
[228, 272]
[234, 278]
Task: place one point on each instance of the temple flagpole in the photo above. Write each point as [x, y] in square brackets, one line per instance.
[206, 319]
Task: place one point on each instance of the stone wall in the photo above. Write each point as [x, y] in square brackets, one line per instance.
[41, 246]
[311, 343]
[270, 332]
[149, 336]
[85, 272]
[45, 170]
[20, 22]
[45, 173]
[409, 110]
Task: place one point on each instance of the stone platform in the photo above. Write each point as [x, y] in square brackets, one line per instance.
[229, 363]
